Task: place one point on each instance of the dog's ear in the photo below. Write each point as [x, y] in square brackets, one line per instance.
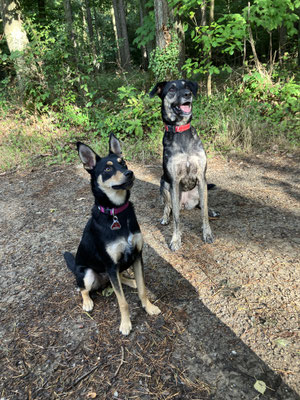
[88, 157]
[193, 86]
[158, 89]
[114, 145]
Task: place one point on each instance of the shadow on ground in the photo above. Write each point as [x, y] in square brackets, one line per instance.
[51, 349]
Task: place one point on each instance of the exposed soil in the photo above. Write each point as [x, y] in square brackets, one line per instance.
[230, 310]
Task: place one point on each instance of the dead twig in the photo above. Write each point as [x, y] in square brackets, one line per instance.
[121, 363]
[84, 376]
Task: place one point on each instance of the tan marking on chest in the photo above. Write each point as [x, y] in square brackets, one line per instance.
[117, 248]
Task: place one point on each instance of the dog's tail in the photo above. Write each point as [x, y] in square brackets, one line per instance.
[70, 260]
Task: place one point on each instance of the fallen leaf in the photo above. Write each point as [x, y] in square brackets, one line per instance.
[107, 291]
[260, 386]
[91, 395]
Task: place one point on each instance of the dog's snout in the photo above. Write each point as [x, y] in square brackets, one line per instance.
[128, 174]
[187, 93]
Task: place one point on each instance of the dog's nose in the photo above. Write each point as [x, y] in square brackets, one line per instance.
[187, 93]
[128, 174]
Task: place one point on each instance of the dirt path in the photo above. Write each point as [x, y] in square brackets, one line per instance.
[230, 311]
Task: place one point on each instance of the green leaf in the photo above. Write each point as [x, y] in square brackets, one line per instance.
[107, 291]
[281, 342]
[260, 386]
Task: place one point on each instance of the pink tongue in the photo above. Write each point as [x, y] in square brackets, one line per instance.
[185, 109]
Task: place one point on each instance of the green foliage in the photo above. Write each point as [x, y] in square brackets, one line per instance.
[271, 14]
[135, 116]
[254, 114]
[164, 62]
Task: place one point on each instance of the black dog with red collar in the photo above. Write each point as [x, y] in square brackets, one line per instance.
[112, 240]
[183, 183]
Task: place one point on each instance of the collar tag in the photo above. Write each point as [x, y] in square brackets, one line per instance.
[116, 224]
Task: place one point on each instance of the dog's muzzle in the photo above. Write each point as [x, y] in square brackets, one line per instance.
[185, 108]
[128, 183]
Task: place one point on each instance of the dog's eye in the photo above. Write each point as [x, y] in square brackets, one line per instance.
[107, 169]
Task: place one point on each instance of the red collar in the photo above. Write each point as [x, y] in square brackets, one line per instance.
[113, 211]
[180, 128]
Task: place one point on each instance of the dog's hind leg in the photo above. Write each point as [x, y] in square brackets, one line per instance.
[91, 281]
[128, 281]
[150, 308]
[115, 280]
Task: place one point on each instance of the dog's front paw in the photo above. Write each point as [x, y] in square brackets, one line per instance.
[152, 309]
[88, 304]
[213, 214]
[175, 244]
[125, 327]
[164, 221]
[208, 237]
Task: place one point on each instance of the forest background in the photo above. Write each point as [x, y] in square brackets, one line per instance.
[77, 70]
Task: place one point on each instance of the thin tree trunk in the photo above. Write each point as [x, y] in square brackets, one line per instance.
[97, 31]
[203, 12]
[181, 36]
[70, 28]
[258, 64]
[145, 55]
[282, 43]
[211, 20]
[90, 28]
[16, 37]
[162, 15]
[121, 32]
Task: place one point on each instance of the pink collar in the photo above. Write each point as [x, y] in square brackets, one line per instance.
[180, 128]
[113, 211]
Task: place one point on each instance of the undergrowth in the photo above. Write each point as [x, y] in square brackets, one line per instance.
[251, 116]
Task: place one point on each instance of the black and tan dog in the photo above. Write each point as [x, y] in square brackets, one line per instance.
[183, 183]
[112, 240]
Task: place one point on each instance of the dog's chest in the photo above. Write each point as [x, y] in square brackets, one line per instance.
[184, 168]
[123, 248]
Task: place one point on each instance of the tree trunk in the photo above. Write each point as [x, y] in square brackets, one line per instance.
[90, 29]
[211, 20]
[71, 32]
[282, 43]
[162, 15]
[121, 33]
[258, 64]
[145, 54]
[181, 36]
[203, 12]
[16, 37]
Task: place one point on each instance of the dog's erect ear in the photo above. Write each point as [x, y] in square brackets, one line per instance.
[87, 156]
[193, 86]
[114, 145]
[158, 88]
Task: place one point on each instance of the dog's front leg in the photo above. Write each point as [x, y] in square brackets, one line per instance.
[150, 308]
[202, 187]
[165, 194]
[114, 277]
[175, 200]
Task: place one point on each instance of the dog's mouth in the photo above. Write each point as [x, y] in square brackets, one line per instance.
[125, 185]
[185, 108]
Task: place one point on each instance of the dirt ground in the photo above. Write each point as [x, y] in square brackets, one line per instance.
[230, 310]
